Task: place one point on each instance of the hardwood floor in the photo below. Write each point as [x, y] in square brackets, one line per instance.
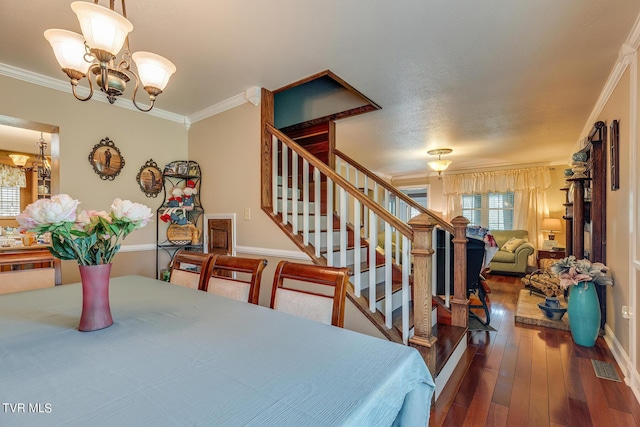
[524, 375]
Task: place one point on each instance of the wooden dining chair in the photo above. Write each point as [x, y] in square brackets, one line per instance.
[312, 291]
[189, 269]
[234, 277]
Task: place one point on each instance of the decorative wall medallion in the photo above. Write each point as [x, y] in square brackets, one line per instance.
[150, 179]
[106, 159]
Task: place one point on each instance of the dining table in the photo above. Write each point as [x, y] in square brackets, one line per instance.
[176, 356]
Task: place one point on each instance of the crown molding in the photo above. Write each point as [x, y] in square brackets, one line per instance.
[65, 86]
[251, 95]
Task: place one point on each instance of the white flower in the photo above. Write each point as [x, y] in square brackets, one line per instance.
[133, 212]
[60, 208]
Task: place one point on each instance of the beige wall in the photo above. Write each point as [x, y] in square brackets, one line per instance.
[139, 137]
[227, 147]
[617, 251]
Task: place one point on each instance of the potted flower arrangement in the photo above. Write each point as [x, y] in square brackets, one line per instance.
[90, 237]
[581, 277]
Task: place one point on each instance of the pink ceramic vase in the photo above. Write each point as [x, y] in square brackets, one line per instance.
[96, 313]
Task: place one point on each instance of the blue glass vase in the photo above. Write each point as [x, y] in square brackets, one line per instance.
[584, 314]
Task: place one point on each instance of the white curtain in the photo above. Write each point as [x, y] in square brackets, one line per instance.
[11, 176]
[528, 185]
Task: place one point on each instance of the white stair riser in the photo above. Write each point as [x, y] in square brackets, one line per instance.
[312, 221]
[323, 238]
[396, 298]
[350, 256]
[364, 277]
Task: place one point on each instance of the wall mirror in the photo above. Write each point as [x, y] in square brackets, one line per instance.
[19, 136]
[150, 179]
[106, 159]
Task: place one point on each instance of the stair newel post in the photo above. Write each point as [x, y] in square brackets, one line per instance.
[422, 251]
[460, 300]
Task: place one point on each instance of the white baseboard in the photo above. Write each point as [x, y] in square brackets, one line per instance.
[446, 372]
[138, 248]
[631, 375]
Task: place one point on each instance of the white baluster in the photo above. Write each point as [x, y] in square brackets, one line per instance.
[343, 227]
[274, 174]
[366, 209]
[373, 238]
[356, 246]
[285, 182]
[388, 285]
[305, 202]
[316, 210]
[329, 222]
[406, 292]
[294, 191]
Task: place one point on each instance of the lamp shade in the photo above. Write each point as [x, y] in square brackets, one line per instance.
[68, 48]
[103, 28]
[19, 159]
[439, 165]
[551, 224]
[154, 70]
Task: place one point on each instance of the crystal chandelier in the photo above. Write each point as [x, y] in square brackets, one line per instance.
[439, 165]
[104, 33]
[42, 165]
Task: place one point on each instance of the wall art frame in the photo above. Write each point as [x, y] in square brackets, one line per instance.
[106, 159]
[149, 179]
[614, 154]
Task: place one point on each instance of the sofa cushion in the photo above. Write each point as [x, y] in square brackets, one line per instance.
[504, 256]
[512, 244]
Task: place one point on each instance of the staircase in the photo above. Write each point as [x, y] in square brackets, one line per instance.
[349, 217]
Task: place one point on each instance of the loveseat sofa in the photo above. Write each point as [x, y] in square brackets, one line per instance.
[514, 251]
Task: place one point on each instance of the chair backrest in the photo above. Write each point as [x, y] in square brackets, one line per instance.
[312, 291]
[189, 269]
[475, 258]
[234, 277]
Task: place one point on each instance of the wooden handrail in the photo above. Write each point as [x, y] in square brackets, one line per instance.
[408, 200]
[335, 177]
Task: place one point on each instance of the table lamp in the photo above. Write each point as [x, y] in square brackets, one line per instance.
[551, 225]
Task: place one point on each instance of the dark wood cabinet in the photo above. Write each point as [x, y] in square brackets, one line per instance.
[586, 206]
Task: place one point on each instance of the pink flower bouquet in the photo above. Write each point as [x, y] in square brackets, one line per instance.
[88, 236]
[572, 272]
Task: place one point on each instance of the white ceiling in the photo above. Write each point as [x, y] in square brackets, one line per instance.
[501, 82]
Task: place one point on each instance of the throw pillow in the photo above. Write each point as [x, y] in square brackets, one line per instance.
[512, 244]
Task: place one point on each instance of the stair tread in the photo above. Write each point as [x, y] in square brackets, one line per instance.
[336, 248]
[396, 286]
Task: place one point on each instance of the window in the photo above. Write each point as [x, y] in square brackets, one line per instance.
[418, 194]
[490, 210]
[9, 201]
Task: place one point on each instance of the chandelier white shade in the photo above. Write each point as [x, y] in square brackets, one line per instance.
[19, 159]
[102, 28]
[104, 34]
[439, 165]
[68, 48]
[154, 70]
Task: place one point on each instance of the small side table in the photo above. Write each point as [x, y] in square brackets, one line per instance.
[550, 254]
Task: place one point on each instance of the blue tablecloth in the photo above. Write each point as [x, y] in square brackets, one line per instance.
[177, 356]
